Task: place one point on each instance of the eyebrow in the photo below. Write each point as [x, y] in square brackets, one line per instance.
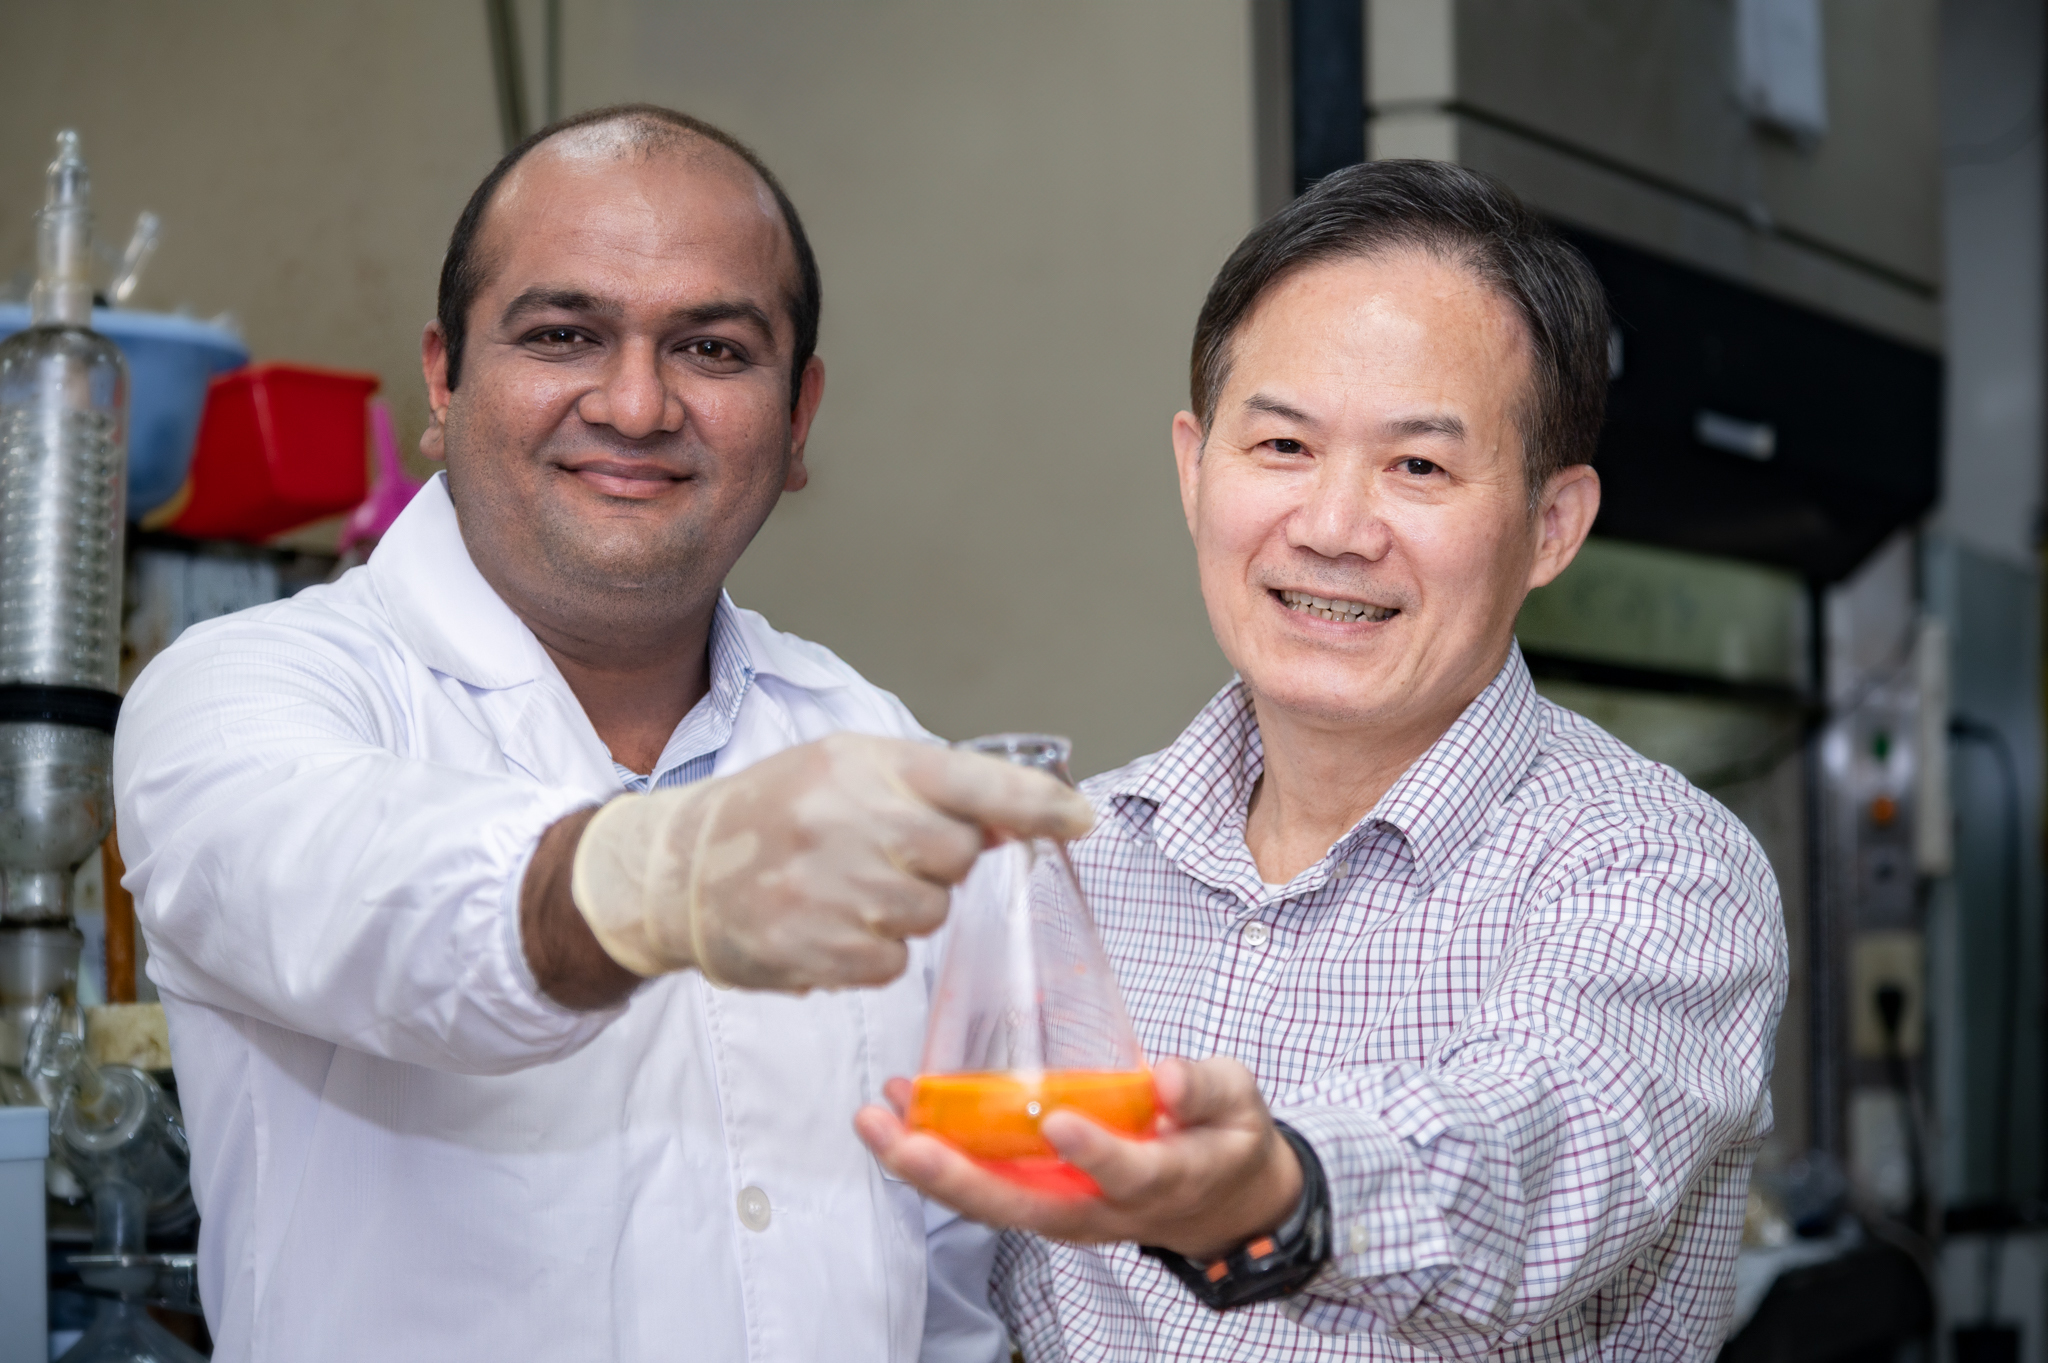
[1260, 402]
[725, 311]
[1441, 424]
[544, 299]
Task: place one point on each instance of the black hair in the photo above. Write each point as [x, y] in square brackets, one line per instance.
[462, 273]
[1469, 220]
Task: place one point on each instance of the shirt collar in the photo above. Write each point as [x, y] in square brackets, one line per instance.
[457, 624]
[1451, 796]
[709, 725]
[1201, 786]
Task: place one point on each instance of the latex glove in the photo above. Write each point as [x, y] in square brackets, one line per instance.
[806, 870]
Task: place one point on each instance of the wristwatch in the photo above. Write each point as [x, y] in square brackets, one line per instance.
[1267, 1267]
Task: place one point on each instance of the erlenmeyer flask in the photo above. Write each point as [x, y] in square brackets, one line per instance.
[1027, 1016]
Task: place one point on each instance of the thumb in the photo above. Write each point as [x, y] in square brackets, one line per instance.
[1205, 1093]
[999, 795]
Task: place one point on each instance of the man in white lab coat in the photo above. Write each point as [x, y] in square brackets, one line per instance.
[443, 985]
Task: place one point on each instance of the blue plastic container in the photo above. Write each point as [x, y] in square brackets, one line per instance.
[171, 360]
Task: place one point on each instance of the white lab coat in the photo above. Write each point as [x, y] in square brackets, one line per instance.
[401, 1148]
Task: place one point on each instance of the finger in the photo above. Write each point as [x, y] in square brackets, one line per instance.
[791, 958]
[926, 1163]
[865, 962]
[991, 793]
[945, 1175]
[898, 1092]
[1170, 1088]
[894, 905]
[1125, 1170]
[931, 844]
[880, 1130]
[1205, 1093]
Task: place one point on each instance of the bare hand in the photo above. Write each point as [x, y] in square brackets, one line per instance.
[1217, 1174]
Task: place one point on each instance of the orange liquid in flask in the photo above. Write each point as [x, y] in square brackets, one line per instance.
[993, 1117]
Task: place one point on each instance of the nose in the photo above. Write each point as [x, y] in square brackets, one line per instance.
[633, 397]
[1341, 513]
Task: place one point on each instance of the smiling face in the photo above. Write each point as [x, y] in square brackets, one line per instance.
[1359, 510]
[623, 424]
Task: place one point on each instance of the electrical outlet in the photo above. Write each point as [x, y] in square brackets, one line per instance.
[1875, 960]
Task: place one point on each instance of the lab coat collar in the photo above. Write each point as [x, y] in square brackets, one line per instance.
[453, 620]
[457, 624]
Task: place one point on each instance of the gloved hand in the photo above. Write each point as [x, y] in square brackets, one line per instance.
[806, 870]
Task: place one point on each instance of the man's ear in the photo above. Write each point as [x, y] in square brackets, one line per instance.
[810, 392]
[1187, 458]
[1564, 517]
[434, 364]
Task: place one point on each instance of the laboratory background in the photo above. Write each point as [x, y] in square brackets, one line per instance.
[1814, 586]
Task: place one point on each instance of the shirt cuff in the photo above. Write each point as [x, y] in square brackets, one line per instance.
[532, 1021]
[1388, 1241]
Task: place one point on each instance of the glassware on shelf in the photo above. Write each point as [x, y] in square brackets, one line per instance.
[120, 1135]
[1027, 1018]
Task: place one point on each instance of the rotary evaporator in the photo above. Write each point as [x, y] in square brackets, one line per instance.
[63, 468]
[115, 1134]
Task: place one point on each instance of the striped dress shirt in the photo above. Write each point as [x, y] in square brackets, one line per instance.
[1523, 1012]
[692, 750]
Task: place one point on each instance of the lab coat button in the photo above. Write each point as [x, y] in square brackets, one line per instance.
[1254, 935]
[754, 1209]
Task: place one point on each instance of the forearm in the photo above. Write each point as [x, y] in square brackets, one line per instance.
[1471, 1201]
[567, 962]
[1448, 1221]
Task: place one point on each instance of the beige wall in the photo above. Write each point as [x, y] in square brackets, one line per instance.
[1017, 209]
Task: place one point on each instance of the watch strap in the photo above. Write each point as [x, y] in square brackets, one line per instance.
[1267, 1267]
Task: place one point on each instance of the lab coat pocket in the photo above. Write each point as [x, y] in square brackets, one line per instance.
[894, 1018]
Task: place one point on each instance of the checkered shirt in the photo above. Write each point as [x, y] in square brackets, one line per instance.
[1523, 1012]
[692, 750]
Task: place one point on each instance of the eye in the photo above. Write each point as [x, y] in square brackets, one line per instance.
[714, 355]
[555, 338]
[1419, 468]
[1284, 446]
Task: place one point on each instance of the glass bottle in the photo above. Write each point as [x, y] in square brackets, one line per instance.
[1027, 1017]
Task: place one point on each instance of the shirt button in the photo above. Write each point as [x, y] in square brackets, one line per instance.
[1253, 934]
[754, 1210]
[1358, 1237]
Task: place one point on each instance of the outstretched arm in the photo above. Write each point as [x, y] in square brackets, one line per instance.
[1621, 1050]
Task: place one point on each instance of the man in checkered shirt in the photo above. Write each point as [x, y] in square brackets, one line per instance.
[1488, 998]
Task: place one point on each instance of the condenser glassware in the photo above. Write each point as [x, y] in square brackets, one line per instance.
[1027, 1018]
[63, 472]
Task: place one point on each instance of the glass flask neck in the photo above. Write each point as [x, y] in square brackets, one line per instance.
[63, 290]
[1047, 752]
